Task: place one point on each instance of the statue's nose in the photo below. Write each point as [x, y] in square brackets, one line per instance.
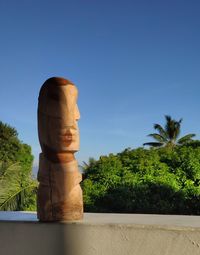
[77, 113]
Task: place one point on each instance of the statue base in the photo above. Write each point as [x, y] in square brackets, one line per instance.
[59, 195]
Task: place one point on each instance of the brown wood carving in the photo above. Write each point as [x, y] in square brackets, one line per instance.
[59, 194]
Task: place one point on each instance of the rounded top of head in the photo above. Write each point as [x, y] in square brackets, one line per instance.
[53, 86]
[58, 81]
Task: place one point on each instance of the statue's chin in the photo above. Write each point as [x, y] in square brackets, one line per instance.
[73, 147]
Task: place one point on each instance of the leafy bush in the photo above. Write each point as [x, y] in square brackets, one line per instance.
[145, 181]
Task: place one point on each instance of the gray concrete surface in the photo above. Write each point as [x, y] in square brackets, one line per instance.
[112, 234]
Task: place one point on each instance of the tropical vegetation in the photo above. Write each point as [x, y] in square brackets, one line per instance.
[154, 180]
[17, 187]
[144, 181]
[169, 134]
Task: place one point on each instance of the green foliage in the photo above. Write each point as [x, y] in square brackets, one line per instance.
[9, 143]
[144, 181]
[168, 136]
[17, 187]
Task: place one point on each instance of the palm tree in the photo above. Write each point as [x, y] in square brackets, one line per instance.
[169, 135]
[85, 166]
[15, 189]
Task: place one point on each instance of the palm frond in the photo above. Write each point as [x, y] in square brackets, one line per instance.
[153, 144]
[161, 130]
[185, 139]
[14, 187]
[86, 165]
[172, 128]
[169, 127]
[158, 137]
[13, 200]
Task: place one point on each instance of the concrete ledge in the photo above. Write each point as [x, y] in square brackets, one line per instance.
[115, 234]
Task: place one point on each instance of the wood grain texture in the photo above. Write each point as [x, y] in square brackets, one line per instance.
[59, 193]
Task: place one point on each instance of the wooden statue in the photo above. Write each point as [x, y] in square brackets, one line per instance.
[59, 193]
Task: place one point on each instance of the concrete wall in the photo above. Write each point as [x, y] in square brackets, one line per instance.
[117, 234]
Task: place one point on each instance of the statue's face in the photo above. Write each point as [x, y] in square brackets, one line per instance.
[67, 131]
[58, 115]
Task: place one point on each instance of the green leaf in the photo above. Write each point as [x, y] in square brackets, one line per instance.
[186, 139]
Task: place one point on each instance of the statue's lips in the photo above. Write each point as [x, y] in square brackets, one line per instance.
[69, 135]
[67, 139]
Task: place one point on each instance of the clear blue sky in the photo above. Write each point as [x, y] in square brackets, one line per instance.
[132, 61]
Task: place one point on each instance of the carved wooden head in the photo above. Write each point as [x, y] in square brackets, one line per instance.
[58, 115]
